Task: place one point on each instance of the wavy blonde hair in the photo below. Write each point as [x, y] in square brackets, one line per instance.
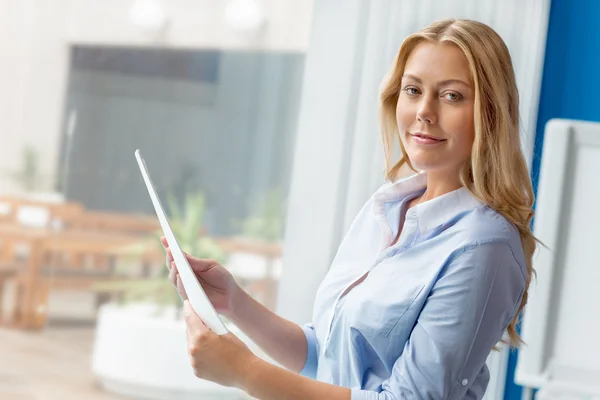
[496, 171]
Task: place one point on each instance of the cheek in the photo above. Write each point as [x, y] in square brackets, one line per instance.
[460, 125]
[405, 116]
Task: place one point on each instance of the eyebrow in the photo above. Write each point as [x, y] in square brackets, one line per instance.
[441, 83]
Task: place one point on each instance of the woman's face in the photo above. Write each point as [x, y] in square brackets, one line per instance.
[435, 108]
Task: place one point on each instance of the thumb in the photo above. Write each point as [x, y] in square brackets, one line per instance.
[191, 318]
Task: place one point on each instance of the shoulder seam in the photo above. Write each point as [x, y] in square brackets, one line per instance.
[505, 242]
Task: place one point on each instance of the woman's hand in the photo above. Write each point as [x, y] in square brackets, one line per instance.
[224, 359]
[227, 361]
[282, 340]
[218, 283]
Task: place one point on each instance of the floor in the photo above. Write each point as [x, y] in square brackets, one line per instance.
[54, 364]
[51, 365]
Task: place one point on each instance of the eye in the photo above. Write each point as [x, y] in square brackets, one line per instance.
[452, 96]
[411, 91]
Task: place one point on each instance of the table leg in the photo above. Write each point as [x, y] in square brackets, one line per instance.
[32, 313]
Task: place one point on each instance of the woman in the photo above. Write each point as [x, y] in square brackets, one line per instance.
[436, 266]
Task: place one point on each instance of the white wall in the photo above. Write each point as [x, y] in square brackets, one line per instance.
[33, 82]
[14, 24]
[193, 23]
[35, 36]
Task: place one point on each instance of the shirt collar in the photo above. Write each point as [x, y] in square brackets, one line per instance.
[431, 213]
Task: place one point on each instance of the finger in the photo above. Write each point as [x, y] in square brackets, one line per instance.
[180, 288]
[168, 258]
[173, 274]
[188, 334]
[168, 262]
[192, 320]
[189, 337]
[164, 242]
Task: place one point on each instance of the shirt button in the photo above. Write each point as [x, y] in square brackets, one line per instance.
[464, 382]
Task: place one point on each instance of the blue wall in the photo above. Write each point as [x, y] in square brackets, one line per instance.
[570, 88]
[571, 79]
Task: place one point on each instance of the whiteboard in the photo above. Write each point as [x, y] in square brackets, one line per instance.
[561, 324]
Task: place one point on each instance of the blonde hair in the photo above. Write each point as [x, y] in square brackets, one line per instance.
[496, 171]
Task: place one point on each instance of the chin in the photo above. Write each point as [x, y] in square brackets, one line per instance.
[438, 167]
[421, 163]
[429, 165]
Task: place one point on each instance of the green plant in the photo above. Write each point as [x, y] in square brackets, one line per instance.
[267, 217]
[187, 225]
[29, 175]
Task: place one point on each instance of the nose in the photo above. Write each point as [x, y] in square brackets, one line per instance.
[426, 112]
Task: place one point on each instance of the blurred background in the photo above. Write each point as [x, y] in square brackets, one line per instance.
[258, 123]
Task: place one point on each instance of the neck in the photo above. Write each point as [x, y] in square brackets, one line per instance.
[440, 183]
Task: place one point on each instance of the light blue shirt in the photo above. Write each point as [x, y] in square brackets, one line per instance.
[432, 306]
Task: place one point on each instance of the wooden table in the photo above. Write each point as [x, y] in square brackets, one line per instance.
[31, 307]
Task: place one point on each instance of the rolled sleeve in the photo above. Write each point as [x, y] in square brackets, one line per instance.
[310, 365]
[465, 315]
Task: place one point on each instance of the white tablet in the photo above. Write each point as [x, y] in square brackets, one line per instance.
[198, 299]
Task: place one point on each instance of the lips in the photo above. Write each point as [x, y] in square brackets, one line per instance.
[423, 138]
